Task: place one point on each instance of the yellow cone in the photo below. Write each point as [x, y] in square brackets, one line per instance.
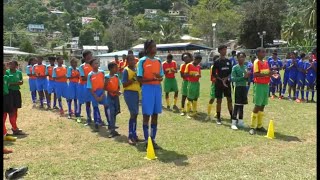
[150, 150]
[270, 133]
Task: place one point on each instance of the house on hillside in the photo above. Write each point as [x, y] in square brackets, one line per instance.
[96, 50]
[56, 12]
[150, 13]
[36, 27]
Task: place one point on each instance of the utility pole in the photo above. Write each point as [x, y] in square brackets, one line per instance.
[11, 19]
[214, 35]
[261, 35]
[96, 39]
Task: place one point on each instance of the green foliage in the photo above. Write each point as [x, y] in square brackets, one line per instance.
[26, 46]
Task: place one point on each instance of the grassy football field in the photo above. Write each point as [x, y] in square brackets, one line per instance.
[58, 148]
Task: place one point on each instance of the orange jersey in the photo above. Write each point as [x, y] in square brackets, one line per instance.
[39, 70]
[113, 84]
[74, 74]
[263, 68]
[193, 71]
[84, 70]
[150, 69]
[121, 64]
[60, 73]
[169, 69]
[95, 80]
[29, 70]
[182, 69]
[49, 70]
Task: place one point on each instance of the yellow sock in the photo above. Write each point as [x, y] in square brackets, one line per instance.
[175, 101]
[168, 102]
[254, 117]
[194, 106]
[188, 106]
[209, 109]
[260, 117]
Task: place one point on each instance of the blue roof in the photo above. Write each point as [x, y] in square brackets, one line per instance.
[119, 53]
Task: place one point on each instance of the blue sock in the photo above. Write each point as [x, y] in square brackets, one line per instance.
[69, 101]
[96, 115]
[307, 94]
[297, 94]
[60, 103]
[107, 115]
[54, 100]
[78, 111]
[283, 91]
[41, 101]
[273, 90]
[75, 105]
[135, 128]
[34, 96]
[131, 128]
[312, 94]
[88, 110]
[153, 131]
[302, 93]
[146, 132]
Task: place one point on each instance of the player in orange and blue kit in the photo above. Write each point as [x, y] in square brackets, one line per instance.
[32, 80]
[51, 83]
[131, 96]
[112, 86]
[39, 70]
[84, 95]
[59, 74]
[73, 75]
[150, 75]
[95, 84]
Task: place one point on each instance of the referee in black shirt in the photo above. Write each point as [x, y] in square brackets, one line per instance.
[221, 70]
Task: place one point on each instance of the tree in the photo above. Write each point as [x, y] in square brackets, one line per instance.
[261, 16]
[26, 46]
[120, 36]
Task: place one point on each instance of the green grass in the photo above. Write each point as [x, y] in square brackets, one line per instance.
[58, 148]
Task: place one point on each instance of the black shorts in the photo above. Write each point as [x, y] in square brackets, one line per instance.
[222, 91]
[16, 98]
[7, 103]
[240, 95]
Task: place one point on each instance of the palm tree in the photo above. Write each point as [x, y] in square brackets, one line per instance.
[292, 30]
[311, 14]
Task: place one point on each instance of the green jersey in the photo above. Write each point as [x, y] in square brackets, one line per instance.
[237, 75]
[5, 85]
[14, 77]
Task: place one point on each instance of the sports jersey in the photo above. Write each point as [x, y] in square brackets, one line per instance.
[147, 68]
[182, 69]
[169, 69]
[237, 75]
[233, 61]
[95, 80]
[29, 72]
[275, 65]
[60, 73]
[129, 74]
[263, 68]
[113, 84]
[84, 70]
[301, 65]
[14, 77]
[193, 71]
[311, 72]
[287, 64]
[49, 70]
[121, 64]
[221, 68]
[71, 72]
[250, 69]
[39, 70]
[293, 70]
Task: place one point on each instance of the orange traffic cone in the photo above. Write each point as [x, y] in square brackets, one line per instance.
[150, 150]
[270, 133]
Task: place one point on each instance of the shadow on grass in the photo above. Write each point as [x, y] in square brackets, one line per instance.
[168, 156]
[102, 131]
[121, 139]
[22, 136]
[8, 143]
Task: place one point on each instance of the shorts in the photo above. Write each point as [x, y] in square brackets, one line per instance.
[213, 91]
[50, 87]
[310, 81]
[41, 84]
[292, 81]
[113, 103]
[260, 94]
[84, 94]
[151, 99]
[222, 91]
[33, 84]
[184, 88]
[7, 103]
[170, 85]
[61, 89]
[72, 90]
[15, 96]
[132, 100]
[275, 81]
[104, 101]
[301, 81]
[193, 90]
[240, 95]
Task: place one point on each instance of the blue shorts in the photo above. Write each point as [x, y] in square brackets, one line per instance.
[104, 101]
[301, 81]
[132, 100]
[113, 104]
[72, 90]
[61, 89]
[84, 94]
[50, 87]
[151, 99]
[32, 84]
[311, 81]
[275, 81]
[292, 81]
[41, 84]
